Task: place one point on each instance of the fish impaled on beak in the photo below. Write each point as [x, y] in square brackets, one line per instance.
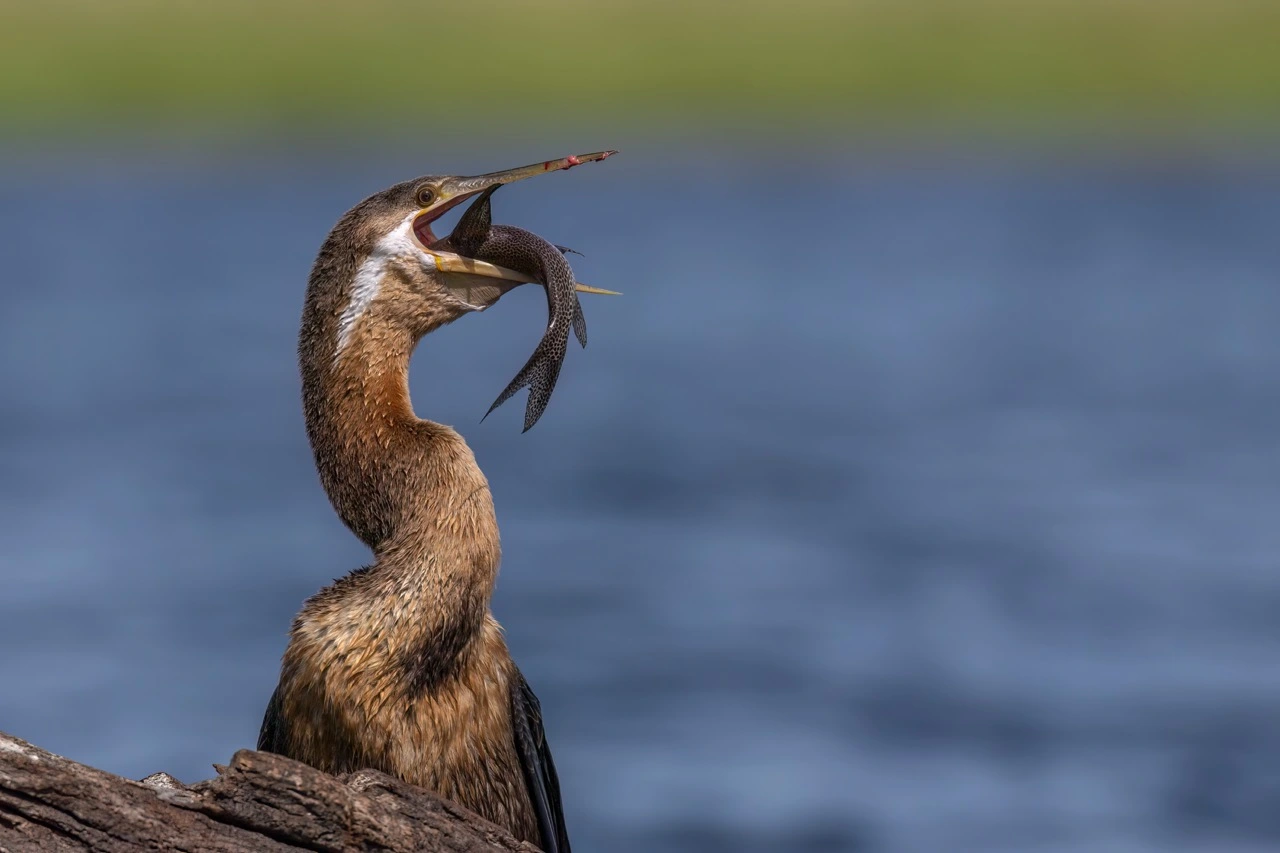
[527, 254]
[482, 282]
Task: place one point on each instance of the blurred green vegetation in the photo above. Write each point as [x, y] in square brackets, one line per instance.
[390, 65]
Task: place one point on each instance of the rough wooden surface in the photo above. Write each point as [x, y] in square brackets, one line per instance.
[259, 802]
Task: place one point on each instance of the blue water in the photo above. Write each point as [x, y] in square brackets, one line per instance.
[925, 504]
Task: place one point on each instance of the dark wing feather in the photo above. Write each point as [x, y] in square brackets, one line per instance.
[272, 737]
[539, 770]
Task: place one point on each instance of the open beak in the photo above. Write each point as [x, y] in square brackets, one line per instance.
[476, 282]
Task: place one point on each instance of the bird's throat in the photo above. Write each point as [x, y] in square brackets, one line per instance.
[360, 423]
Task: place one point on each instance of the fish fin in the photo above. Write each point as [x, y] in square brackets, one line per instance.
[539, 373]
[521, 379]
[543, 382]
[579, 323]
[473, 227]
[533, 373]
[564, 250]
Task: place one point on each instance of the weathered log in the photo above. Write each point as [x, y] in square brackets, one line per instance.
[259, 802]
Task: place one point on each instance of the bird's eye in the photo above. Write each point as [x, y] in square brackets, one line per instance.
[426, 195]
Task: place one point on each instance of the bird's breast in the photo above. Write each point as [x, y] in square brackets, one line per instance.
[353, 709]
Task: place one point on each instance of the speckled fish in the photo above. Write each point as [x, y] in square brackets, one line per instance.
[525, 252]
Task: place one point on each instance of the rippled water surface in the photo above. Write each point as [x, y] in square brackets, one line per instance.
[892, 509]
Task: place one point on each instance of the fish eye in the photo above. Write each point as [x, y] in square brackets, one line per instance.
[426, 195]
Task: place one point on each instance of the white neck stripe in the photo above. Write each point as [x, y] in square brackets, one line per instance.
[368, 280]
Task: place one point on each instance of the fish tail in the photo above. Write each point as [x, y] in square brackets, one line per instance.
[542, 383]
[539, 374]
[521, 380]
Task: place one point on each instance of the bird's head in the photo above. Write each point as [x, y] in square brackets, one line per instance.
[379, 261]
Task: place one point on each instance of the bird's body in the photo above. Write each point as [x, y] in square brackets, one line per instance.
[399, 666]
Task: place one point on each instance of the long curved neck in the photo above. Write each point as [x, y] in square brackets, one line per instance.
[409, 488]
[372, 454]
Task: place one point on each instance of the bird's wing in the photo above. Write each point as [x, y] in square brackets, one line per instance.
[539, 770]
[272, 737]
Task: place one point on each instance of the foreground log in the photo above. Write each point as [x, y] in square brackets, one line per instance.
[259, 802]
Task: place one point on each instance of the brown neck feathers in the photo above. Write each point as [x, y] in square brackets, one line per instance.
[409, 488]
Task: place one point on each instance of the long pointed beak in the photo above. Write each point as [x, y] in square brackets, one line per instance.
[471, 186]
[451, 192]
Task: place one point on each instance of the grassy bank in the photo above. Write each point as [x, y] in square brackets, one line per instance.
[391, 64]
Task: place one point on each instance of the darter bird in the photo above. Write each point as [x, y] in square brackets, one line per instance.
[400, 666]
